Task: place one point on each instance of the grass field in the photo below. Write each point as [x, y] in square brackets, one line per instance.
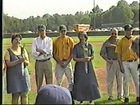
[98, 62]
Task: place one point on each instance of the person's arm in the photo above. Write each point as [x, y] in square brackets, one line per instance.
[103, 52]
[54, 52]
[71, 41]
[69, 59]
[48, 50]
[56, 59]
[11, 63]
[118, 50]
[135, 46]
[120, 63]
[110, 45]
[34, 49]
[26, 58]
[92, 52]
[80, 59]
[3, 65]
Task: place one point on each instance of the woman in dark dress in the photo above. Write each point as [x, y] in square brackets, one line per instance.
[85, 86]
[17, 75]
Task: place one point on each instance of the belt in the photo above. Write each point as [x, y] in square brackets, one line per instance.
[112, 58]
[43, 60]
[64, 60]
[131, 60]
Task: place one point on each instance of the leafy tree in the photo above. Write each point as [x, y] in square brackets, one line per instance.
[135, 9]
[122, 13]
[85, 20]
[128, 15]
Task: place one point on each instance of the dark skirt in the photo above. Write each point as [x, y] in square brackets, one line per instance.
[85, 86]
[16, 82]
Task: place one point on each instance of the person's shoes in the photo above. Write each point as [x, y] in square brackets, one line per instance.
[90, 101]
[110, 98]
[119, 98]
[72, 98]
[126, 100]
[138, 100]
[81, 102]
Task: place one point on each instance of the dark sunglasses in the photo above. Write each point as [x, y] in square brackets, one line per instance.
[114, 33]
[63, 31]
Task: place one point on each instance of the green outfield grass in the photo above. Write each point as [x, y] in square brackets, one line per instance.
[98, 63]
[92, 39]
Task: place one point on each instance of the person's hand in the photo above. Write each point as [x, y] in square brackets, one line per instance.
[122, 69]
[22, 60]
[61, 63]
[87, 59]
[64, 64]
[110, 45]
[110, 61]
[40, 54]
[39, 50]
[4, 65]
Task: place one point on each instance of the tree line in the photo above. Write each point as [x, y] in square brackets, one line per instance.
[121, 13]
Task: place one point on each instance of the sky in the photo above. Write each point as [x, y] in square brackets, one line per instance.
[23, 9]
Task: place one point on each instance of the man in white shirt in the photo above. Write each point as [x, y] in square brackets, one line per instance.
[42, 52]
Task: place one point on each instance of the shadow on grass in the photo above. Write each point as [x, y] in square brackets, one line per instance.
[133, 103]
[114, 102]
[105, 101]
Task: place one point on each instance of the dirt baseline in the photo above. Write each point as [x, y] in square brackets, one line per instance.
[101, 77]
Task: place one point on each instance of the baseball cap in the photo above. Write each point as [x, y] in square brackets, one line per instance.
[62, 28]
[128, 27]
[53, 94]
[41, 27]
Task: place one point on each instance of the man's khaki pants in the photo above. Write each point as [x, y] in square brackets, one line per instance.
[59, 72]
[130, 68]
[113, 70]
[41, 69]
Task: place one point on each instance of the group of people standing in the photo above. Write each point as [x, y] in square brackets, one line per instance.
[122, 57]
[63, 49]
[82, 82]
